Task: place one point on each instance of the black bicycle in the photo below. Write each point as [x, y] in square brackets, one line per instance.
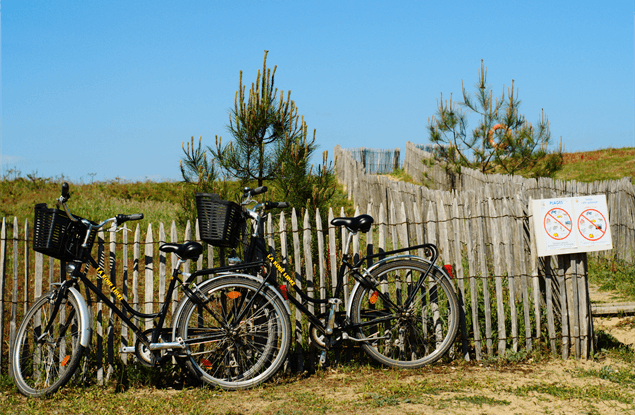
[57, 328]
[402, 309]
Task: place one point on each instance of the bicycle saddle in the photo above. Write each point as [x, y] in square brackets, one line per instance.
[188, 250]
[359, 223]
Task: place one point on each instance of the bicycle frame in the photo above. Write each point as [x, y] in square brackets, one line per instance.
[151, 343]
[258, 249]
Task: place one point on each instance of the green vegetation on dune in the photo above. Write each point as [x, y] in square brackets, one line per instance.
[161, 201]
[604, 164]
[95, 201]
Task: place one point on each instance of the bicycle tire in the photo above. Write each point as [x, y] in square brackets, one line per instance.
[41, 369]
[237, 356]
[406, 338]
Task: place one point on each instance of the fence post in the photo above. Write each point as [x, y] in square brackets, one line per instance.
[498, 277]
[149, 280]
[321, 258]
[507, 228]
[470, 233]
[14, 302]
[480, 224]
[460, 274]
[135, 277]
[112, 255]
[124, 286]
[173, 239]
[3, 253]
[298, 272]
[100, 317]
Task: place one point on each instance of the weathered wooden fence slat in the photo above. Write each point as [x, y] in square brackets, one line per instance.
[3, 257]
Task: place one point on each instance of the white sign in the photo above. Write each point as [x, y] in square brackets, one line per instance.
[571, 225]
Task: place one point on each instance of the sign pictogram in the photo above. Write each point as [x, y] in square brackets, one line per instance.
[592, 225]
[558, 224]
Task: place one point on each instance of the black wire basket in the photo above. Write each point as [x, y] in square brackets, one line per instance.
[219, 221]
[57, 236]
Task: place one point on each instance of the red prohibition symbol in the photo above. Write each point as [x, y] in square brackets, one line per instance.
[592, 225]
[558, 224]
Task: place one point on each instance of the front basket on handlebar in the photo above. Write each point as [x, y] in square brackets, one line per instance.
[57, 236]
[219, 221]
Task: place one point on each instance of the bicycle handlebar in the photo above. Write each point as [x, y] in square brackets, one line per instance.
[65, 194]
[276, 205]
[257, 190]
[125, 218]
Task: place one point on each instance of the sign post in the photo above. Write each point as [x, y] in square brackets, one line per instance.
[569, 228]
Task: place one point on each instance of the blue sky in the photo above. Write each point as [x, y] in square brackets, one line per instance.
[105, 90]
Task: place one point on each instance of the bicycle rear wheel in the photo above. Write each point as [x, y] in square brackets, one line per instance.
[41, 362]
[406, 335]
[235, 354]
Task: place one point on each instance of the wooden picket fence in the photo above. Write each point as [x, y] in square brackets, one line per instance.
[488, 281]
[377, 161]
[490, 208]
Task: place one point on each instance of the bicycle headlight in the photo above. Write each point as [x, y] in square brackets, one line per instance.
[70, 268]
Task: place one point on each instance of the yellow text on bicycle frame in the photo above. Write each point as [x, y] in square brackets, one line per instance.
[280, 269]
[110, 285]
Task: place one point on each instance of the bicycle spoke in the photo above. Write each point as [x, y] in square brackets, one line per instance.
[418, 325]
[252, 348]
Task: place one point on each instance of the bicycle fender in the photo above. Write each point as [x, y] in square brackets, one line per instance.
[396, 258]
[349, 305]
[414, 258]
[84, 317]
[201, 286]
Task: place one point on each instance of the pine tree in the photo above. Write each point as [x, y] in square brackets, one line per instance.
[503, 141]
[270, 143]
[263, 127]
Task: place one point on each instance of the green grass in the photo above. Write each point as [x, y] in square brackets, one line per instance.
[158, 201]
[613, 275]
[623, 376]
[95, 201]
[604, 164]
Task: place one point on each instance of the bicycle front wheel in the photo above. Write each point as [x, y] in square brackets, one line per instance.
[406, 334]
[42, 362]
[232, 354]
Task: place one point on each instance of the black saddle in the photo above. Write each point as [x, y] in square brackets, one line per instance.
[359, 223]
[188, 250]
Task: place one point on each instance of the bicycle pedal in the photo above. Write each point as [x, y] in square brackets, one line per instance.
[323, 357]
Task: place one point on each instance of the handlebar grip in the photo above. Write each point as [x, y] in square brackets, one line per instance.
[65, 192]
[258, 190]
[276, 205]
[125, 218]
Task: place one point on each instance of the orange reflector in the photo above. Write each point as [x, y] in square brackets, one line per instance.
[206, 363]
[283, 290]
[373, 298]
[233, 295]
[448, 269]
[65, 360]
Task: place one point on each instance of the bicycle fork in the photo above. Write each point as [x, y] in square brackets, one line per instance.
[66, 291]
